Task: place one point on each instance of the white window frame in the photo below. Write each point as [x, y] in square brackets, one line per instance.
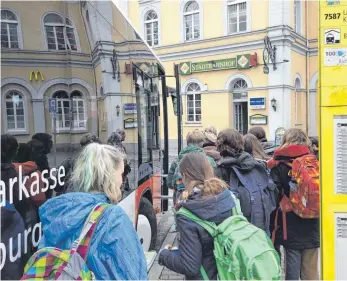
[298, 20]
[151, 22]
[193, 93]
[19, 30]
[16, 131]
[66, 40]
[144, 10]
[226, 15]
[72, 121]
[191, 14]
[183, 6]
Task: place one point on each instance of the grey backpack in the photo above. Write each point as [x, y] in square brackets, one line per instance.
[257, 194]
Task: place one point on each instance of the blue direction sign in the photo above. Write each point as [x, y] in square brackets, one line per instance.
[52, 106]
[257, 103]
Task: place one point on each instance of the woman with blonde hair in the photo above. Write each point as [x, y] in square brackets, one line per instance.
[115, 252]
[299, 236]
[209, 199]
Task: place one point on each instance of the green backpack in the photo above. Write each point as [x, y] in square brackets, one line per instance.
[242, 251]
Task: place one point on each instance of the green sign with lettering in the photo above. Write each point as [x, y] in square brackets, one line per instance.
[240, 62]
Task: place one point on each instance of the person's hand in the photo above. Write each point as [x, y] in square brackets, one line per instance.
[168, 247]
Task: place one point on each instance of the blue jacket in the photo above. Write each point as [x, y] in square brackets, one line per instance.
[115, 252]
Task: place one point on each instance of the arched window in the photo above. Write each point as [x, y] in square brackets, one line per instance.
[152, 28]
[101, 91]
[193, 102]
[9, 30]
[240, 84]
[70, 107]
[60, 34]
[297, 84]
[15, 115]
[191, 21]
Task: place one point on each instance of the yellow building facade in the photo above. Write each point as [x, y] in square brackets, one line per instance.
[219, 46]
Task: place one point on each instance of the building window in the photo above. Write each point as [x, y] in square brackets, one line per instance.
[9, 30]
[297, 16]
[191, 21]
[60, 34]
[15, 115]
[78, 111]
[72, 107]
[237, 17]
[297, 102]
[193, 103]
[152, 28]
[239, 90]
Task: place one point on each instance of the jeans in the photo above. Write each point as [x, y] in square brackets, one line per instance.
[302, 264]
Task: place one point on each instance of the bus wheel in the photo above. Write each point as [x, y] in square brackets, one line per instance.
[147, 225]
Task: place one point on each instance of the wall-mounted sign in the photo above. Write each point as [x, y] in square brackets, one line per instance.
[36, 74]
[279, 133]
[130, 108]
[269, 54]
[52, 106]
[130, 123]
[239, 62]
[257, 103]
[258, 119]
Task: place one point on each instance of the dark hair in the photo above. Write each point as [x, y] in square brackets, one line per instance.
[45, 139]
[24, 154]
[314, 141]
[230, 142]
[9, 147]
[259, 133]
[39, 154]
[89, 138]
[197, 171]
[254, 147]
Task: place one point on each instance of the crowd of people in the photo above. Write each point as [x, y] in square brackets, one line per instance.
[242, 166]
[214, 173]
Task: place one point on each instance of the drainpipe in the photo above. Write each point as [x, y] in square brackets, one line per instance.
[307, 70]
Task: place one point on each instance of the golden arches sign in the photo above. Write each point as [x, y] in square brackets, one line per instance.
[36, 74]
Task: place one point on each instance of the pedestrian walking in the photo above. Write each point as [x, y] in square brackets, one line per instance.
[211, 129]
[115, 251]
[209, 199]
[248, 179]
[253, 147]
[315, 146]
[260, 134]
[295, 171]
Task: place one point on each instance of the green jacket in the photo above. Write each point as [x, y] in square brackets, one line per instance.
[174, 164]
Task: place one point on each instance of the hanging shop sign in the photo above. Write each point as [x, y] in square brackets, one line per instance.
[257, 103]
[239, 62]
[130, 123]
[269, 55]
[258, 119]
[115, 66]
[130, 108]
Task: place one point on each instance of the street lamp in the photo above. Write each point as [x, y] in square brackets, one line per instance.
[274, 103]
[118, 110]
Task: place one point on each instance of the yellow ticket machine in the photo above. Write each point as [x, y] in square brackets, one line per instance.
[333, 137]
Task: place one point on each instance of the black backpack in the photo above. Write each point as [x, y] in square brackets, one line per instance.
[257, 194]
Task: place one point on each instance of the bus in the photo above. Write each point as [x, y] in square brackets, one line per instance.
[79, 68]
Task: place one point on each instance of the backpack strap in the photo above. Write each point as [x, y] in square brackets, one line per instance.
[81, 244]
[236, 211]
[210, 227]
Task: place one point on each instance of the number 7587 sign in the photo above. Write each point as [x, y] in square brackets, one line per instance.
[333, 16]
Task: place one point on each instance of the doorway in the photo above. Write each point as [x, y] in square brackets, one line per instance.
[241, 117]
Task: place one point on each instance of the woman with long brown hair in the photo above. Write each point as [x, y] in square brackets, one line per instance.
[210, 200]
[299, 236]
[254, 147]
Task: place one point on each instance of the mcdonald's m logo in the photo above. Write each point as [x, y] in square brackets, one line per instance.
[36, 74]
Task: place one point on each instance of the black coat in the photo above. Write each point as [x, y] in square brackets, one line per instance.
[301, 233]
[196, 244]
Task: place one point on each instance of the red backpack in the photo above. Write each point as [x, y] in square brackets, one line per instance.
[304, 198]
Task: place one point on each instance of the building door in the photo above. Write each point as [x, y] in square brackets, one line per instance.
[241, 117]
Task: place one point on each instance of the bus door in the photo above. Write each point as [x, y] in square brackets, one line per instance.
[144, 117]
